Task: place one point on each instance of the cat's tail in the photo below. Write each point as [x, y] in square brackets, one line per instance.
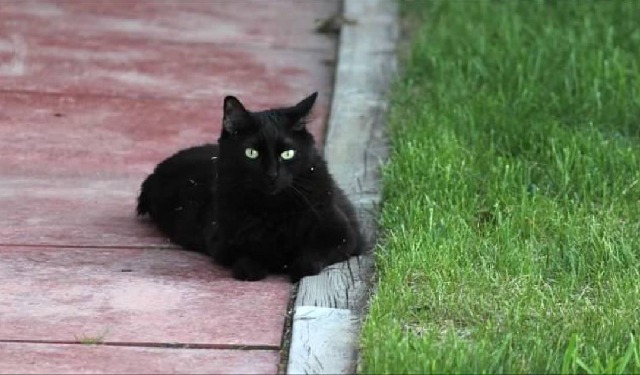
[144, 201]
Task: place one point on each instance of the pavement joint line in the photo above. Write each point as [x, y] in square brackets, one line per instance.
[90, 95]
[106, 247]
[285, 342]
[238, 46]
[149, 345]
[330, 306]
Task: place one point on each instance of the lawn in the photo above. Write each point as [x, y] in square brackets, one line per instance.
[511, 209]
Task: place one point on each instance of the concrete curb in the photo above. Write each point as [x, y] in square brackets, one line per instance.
[329, 307]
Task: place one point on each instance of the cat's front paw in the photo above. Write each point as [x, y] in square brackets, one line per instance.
[302, 267]
[221, 256]
[246, 269]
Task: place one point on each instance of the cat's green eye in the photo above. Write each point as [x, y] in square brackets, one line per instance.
[287, 155]
[251, 153]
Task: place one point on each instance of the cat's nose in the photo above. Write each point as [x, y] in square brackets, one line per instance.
[272, 175]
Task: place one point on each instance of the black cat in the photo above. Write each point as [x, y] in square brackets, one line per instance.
[260, 201]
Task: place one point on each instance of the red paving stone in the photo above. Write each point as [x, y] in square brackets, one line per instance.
[282, 24]
[135, 296]
[44, 135]
[92, 96]
[196, 74]
[71, 211]
[21, 358]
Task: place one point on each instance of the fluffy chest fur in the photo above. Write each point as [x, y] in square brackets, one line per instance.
[275, 228]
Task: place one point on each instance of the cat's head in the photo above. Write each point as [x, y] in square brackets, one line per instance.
[265, 151]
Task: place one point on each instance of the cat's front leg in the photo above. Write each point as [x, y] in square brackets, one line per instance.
[242, 267]
[308, 264]
[333, 240]
[248, 269]
[230, 241]
[222, 254]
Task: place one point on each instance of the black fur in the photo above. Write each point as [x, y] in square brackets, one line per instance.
[254, 211]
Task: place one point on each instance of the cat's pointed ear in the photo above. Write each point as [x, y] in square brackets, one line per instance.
[304, 107]
[300, 111]
[233, 115]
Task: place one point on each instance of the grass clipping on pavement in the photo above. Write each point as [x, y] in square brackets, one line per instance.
[511, 217]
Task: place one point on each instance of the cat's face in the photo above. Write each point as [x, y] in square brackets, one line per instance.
[265, 151]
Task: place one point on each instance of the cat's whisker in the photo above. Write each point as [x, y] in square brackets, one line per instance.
[305, 200]
[302, 179]
[303, 184]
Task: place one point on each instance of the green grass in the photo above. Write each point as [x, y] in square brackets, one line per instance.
[511, 217]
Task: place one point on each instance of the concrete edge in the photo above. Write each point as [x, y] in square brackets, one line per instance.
[329, 307]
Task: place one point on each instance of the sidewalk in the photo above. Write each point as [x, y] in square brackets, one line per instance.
[92, 96]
